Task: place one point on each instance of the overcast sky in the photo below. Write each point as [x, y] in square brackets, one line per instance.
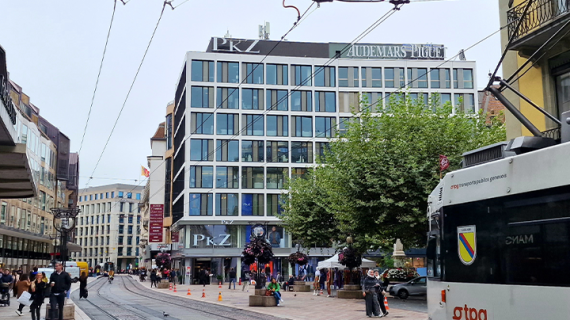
[54, 49]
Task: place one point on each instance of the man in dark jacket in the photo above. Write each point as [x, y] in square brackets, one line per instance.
[60, 283]
[232, 278]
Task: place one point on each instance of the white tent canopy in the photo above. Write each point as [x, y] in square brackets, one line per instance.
[333, 263]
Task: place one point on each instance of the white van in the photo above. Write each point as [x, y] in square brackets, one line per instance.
[73, 272]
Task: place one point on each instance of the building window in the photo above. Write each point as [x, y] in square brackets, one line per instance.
[252, 178]
[202, 97]
[278, 151]
[252, 151]
[138, 196]
[252, 204]
[464, 102]
[389, 79]
[228, 98]
[321, 148]
[301, 152]
[130, 229]
[107, 193]
[276, 177]
[201, 204]
[325, 76]
[129, 241]
[372, 101]
[277, 74]
[129, 251]
[227, 177]
[130, 219]
[277, 100]
[301, 101]
[227, 123]
[121, 209]
[129, 195]
[444, 98]
[228, 72]
[253, 73]
[202, 71]
[202, 123]
[455, 80]
[252, 125]
[274, 205]
[201, 176]
[297, 173]
[201, 149]
[121, 229]
[374, 79]
[301, 126]
[227, 150]
[349, 102]
[325, 127]
[112, 194]
[420, 98]
[422, 77]
[325, 101]
[467, 79]
[302, 75]
[252, 99]
[348, 76]
[227, 204]
[3, 211]
[277, 126]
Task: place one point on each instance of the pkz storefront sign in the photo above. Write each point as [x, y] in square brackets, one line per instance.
[393, 51]
[5, 88]
[217, 240]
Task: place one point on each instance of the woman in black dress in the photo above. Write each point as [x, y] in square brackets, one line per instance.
[38, 290]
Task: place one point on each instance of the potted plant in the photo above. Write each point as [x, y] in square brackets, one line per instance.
[259, 251]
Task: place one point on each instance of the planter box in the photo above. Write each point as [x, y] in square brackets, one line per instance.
[163, 285]
[68, 312]
[301, 288]
[350, 291]
[262, 301]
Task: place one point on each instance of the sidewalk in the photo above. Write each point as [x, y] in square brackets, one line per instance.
[9, 312]
[300, 305]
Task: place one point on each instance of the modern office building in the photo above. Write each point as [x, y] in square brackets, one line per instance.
[108, 226]
[235, 145]
[37, 173]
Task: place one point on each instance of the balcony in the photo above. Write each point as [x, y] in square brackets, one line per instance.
[542, 20]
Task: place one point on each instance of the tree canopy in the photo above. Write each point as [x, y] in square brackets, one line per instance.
[374, 180]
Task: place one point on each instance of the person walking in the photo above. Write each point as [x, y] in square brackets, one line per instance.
[83, 286]
[380, 292]
[323, 279]
[38, 289]
[317, 283]
[369, 285]
[246, 278]
[5, 283]
[60, 283]
[16, 278]
[153, 278]
[232, 278]
[274, 288]
[23, 286]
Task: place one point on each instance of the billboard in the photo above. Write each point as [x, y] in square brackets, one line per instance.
[155, 223]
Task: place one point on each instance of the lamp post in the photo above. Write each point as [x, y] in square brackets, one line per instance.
[67, 218]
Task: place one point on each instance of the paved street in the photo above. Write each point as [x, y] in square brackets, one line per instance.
[301, 305]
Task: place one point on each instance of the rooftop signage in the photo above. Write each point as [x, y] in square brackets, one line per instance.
[389, 51]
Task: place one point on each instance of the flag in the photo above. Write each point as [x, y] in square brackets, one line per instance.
[145, 172]
[443, 163]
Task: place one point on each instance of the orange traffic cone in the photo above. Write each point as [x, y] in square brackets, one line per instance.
[170, 288]
[175, 288]
[203, 293]
[219, 285]
[220, 296]
[386, 304]
[188, 294]
[239, 283]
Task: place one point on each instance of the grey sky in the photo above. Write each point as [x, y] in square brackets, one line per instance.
[54, 49]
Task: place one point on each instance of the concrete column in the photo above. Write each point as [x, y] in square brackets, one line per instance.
[238, 268]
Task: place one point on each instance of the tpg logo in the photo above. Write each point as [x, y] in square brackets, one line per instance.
[470, 313]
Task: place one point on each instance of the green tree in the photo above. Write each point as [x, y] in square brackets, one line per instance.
[374, 182]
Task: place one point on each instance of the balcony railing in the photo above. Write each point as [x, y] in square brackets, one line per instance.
[540, 13]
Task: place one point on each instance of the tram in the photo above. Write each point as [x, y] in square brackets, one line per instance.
[108, 266]
[499, 235]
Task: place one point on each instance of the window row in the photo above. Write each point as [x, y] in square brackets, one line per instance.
[326, 76]
[227, 177]
[108, 195]
[228, 204]
[18, 218]
[107, 207]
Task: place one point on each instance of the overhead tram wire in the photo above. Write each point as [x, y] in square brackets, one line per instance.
[399, 90]
[130, 89]
[98, 75]
[345, 49]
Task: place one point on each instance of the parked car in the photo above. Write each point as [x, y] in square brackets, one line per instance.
[414, 287]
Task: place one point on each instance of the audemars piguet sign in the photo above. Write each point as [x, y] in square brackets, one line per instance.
[395, 51]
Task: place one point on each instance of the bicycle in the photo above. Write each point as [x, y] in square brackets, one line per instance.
[110, 280]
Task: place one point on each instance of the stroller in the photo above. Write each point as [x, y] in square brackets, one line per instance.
[142, 276]
[5, 294]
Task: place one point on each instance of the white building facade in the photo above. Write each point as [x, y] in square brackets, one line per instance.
[236, 144]
[109, 225]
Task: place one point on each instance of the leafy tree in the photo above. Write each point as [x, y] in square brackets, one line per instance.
[374, 182]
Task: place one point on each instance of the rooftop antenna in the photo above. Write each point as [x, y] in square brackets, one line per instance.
[264, 31]
[462, 55]
[228, 35]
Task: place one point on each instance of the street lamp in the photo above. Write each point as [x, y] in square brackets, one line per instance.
[67, 218]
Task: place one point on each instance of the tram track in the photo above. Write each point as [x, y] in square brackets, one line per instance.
[225, 312]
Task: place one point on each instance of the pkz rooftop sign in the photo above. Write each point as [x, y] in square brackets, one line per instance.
[391, 51]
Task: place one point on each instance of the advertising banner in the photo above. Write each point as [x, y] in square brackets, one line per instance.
[155, 223]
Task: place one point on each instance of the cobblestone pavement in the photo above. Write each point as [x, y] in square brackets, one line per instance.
[301, 305]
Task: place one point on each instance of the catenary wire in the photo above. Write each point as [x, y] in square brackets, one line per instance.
[98, 75]
[129, 92]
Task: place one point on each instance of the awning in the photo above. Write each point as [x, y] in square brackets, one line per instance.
[13, 232]
[73, 247]
[15, 175]
[332, 262]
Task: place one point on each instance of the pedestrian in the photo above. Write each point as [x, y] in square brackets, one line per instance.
[153, 278]
[5, 283]
[330, 278]
[316, 283]
[323, 279]
[23, 286]
[369, 293]
[202, 277]
[289, 283]
[232, 278]
[246, 279]
[16, 278]
[60, 283]
[380, 293]
[38, 291]
[173, 275]
[33, 274]
[83, 286]
[274, 288]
